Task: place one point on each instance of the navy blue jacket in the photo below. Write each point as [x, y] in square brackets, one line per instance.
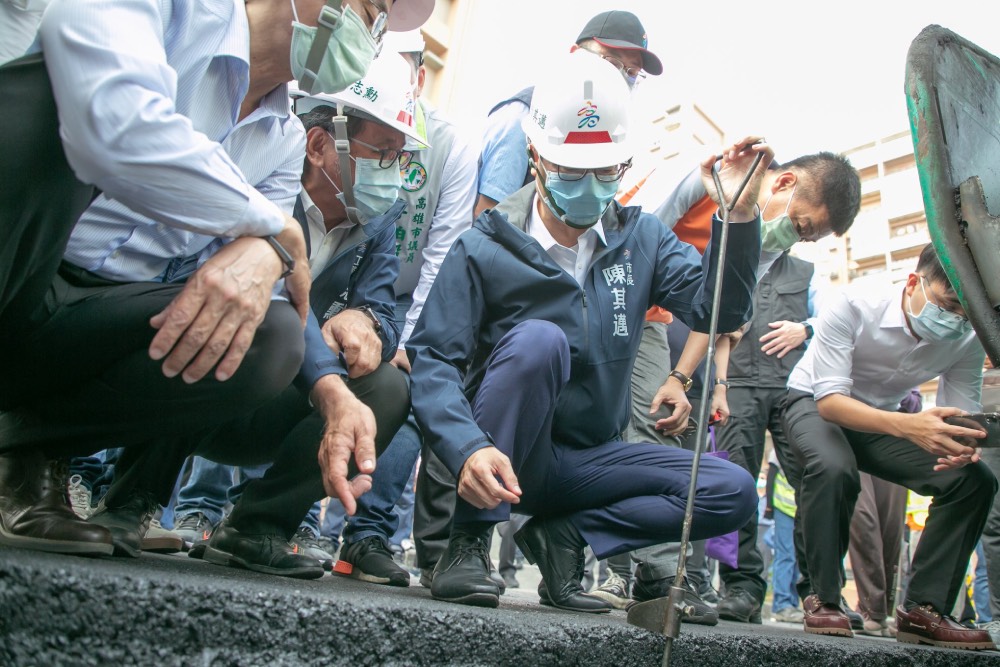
[361, 274]
[496, 276]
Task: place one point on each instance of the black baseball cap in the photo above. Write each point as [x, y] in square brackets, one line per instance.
[621, 30]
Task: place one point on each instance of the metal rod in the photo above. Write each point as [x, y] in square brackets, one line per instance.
[671, 624]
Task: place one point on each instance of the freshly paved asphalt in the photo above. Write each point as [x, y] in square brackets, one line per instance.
[172, 610]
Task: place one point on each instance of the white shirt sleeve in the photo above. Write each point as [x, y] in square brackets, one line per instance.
[121, 131]
[453, 215]
[961, 385]
[833, 350]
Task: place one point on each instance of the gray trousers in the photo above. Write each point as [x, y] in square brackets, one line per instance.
[649, 373]
[876, 541]
[991, 533]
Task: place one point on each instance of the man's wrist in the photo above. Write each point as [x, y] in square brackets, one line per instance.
[684, 380]
[286, 259]
[808, 328]
[370, 314]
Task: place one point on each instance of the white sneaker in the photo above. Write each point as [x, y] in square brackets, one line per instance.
[993, 627]
[79, 497]
[788, 615]
[614, 590]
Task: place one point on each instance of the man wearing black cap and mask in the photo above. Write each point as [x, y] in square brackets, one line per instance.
[619, 38]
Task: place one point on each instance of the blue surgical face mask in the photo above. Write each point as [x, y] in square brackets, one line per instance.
[935, 324]
[375, 189]
[579, 204]
[349, 52]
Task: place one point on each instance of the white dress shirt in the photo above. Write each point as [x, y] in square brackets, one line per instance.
[149, 96]
[323, 245]
[863, 348]
[576, 260]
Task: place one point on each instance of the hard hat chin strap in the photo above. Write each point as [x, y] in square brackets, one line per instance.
[329, 16]
[342, 145]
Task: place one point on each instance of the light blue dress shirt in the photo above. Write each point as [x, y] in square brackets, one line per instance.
[149, 96]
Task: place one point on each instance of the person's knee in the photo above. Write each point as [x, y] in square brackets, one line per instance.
[728, 493]
[825, 474]
[540, 344]
[276, 354]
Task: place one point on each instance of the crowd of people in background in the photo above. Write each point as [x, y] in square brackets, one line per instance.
[263, 304]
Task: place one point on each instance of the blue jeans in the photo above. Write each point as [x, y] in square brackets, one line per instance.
[96, 471]
[786, 571]
[205, 491]
[981, 588]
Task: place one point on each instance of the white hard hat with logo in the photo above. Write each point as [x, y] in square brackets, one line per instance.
[579, 115]
[384, 94]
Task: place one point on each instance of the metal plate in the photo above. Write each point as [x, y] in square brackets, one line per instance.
[953, 98]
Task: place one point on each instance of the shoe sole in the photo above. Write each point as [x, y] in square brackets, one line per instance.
[55, 546]
[162, 545]
[217, 557]
[830, 632]
[910, 638]
[754, 618]
[473, 600]
[344, 569]
[615, 601]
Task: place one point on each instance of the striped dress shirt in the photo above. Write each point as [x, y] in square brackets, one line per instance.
[149, 95]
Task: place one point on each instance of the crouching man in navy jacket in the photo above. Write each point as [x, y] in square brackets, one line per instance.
[523, 353]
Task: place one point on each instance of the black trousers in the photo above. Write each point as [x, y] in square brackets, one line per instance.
[83, 381]
[753, 410]
[434, 508]
[285, 432]
[821, 461]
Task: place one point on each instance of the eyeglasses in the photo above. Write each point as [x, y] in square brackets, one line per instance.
[633, 75]
[388, 156]
[947, 306]
[380, 23]
[603, 174]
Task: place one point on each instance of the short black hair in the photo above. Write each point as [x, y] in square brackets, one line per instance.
[830, 180]
[322, 117]
[929, 266]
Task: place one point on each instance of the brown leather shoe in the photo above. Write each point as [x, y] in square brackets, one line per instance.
[825, 618]
[35, 512]
[923, 625]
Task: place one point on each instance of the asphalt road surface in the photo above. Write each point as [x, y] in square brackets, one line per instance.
[172, 610]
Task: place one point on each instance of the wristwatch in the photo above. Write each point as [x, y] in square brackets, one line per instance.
[724, 383]
[809, 330]
[685, 381]
[376, 322]
[286, 259]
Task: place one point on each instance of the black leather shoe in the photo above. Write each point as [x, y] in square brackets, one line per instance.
[557, 548]
[699, 612]
[35, 512]
[270, 554]
[127, 524]
[739, 605]
[462, 575]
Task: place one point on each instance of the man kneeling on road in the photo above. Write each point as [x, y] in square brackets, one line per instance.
[537, 311]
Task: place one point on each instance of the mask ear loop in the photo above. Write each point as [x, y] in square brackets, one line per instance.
[342, 145]
[329, 17]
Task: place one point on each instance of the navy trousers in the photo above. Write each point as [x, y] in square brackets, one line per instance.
[619, 496]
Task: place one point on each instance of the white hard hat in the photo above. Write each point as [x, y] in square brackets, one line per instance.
[410, 41]
[384, 94]
[409, 14]
[579, 115]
